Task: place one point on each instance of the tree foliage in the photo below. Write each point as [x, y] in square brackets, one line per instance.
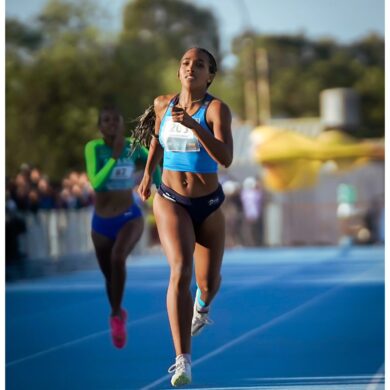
[62, 70]
[173, 26]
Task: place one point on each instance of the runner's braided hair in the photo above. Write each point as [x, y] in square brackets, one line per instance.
[144, 129]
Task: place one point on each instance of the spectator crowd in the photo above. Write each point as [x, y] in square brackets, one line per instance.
[31, 190]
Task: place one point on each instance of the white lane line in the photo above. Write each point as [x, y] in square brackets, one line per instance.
[261, 328]
[377, 379]
[319, 379]
[29, 287]
[80, 340]
[252, 332]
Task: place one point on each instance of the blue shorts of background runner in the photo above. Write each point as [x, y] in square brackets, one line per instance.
[110, 227]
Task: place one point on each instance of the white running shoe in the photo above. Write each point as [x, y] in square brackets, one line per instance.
[182, 371]
[199, 320]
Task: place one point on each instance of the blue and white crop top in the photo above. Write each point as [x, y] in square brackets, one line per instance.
[182, 150]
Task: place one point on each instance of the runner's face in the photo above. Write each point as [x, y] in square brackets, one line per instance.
[194, 69]
[109, 122]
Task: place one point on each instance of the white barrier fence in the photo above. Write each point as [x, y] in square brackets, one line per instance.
[56, 233]
[61, 233]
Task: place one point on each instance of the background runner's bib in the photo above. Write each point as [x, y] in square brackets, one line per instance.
[122, 172]
[122, 175]
[108, 174]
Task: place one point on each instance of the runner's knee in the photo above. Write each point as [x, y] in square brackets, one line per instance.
[210, 285]
[181, 276]
[118, 259]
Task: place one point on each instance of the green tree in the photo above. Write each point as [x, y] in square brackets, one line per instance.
[155, 34]
[172, 25]
[62, 70]
[19, 35]
[52, 95]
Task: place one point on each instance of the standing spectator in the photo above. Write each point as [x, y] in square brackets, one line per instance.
[21, 194]
[65, 199]
[88, 194]
[35, 176]
[14, 228]
[46, 195]
[232, 208]
[25, 170]
[33, 200]
[252, 202]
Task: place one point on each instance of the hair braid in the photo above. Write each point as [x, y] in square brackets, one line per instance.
[142, 133]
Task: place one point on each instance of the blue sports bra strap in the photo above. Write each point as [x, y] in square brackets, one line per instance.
[208, 98]
[174, 101]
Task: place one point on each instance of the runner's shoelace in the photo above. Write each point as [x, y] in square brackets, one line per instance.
[202, 318]
[180, 365]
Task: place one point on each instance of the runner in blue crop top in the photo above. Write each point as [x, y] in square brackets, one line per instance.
[117, 222]
[193, 134]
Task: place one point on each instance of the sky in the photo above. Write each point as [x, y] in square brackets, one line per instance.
[344, 20]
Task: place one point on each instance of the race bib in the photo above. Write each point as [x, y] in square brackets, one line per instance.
[178, 138]
[122, 173]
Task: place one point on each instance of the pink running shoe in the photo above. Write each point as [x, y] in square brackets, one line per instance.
[124, 314]
[118, 329]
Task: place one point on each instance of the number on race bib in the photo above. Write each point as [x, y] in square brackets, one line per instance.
[120, 173]
[178, 138]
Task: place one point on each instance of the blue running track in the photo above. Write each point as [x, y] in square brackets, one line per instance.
[291, 318]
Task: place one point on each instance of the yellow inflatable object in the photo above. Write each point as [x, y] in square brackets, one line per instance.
[292, 161]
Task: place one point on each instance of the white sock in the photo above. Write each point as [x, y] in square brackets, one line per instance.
[201, 309]
[187, 356]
